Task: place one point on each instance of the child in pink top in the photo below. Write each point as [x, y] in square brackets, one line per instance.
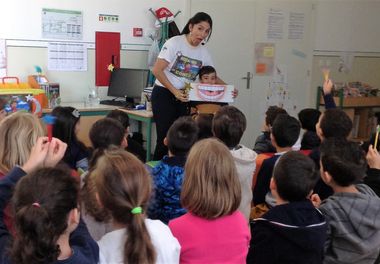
[212, 231]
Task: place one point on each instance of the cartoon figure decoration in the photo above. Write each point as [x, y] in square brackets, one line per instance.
[29, 104]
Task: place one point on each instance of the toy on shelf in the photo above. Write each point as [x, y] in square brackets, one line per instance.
[40, 81]
[20, 96]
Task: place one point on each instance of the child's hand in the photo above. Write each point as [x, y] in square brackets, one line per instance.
[56, 151]
[373, 158]
[327, 87]
[235, 93]
[316, 200]
[37, 156]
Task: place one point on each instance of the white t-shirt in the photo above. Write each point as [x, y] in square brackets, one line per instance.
[184, 60]
[111, 245]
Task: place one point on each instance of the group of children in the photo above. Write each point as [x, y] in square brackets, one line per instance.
[195, 205]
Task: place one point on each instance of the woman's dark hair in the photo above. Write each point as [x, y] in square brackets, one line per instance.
[41, 203]
[64, 129]
[123, 183]
[196, 19]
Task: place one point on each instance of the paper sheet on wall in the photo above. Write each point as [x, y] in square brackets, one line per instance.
[264, 56]
[67, 56]
[275, 25]
[296, 25]
[3, 58]
[62, 24]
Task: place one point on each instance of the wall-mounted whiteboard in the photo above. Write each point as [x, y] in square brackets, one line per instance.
[22, 19]
[349, 25]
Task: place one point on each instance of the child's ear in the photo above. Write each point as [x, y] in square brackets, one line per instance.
[124, 142]
[165, 141]
[98, 199]
[272, 185]
[73, 219]
[326, 177]
[273, 140]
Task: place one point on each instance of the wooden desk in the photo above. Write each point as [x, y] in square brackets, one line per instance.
[147, 118]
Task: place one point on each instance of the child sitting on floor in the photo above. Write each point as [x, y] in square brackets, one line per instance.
[169, 172]
[352, 212]
[293, 231]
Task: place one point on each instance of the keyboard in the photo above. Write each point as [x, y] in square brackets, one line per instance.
[114, 102]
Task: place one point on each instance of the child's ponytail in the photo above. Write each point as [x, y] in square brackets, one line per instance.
[124, 187]
[138, 247]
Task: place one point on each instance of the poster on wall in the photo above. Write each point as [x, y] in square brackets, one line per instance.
[3, 58]
[64, 56]
[62, 24]
[264, 55]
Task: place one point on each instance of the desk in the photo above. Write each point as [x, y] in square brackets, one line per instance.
[147, 118]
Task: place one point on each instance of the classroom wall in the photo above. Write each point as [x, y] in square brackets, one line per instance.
[26, 48]
[74, 85]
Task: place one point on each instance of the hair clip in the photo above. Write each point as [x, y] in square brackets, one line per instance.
[136, 210]
[36, 204]
[76, 113]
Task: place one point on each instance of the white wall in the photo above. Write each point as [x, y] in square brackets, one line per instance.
[21, 22]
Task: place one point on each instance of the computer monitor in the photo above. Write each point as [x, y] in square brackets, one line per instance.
[128, 83]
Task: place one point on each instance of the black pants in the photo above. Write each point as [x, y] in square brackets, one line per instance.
[166, 109]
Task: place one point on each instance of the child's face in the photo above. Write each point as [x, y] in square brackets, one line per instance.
[209, 78]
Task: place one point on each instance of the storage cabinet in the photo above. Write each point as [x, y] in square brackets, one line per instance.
[359, 109]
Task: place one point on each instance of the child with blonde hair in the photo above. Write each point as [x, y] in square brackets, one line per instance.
[45, 204]
[213, 230]
[124, 189]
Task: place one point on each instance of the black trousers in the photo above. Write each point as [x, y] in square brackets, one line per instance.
[166, 109]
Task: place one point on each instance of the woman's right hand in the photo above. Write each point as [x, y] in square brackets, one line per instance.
[181, 96]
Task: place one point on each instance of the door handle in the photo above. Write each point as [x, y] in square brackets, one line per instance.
[248, 77]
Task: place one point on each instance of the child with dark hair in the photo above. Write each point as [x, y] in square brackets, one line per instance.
[133, 146]
[332, 123]
[204, 122]
[263, 143]
[66, 128]
[106, 132]
[47, 219]
[284, 133]
[207, 75]
[169, 172]
[293, 231]
[124, 189]
[352, 211]
[103, 134]
[309, 118]
[228, 125]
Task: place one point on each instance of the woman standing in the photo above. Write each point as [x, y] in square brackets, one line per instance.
[178, 63]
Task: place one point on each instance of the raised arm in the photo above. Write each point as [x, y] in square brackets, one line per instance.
[327, 95]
